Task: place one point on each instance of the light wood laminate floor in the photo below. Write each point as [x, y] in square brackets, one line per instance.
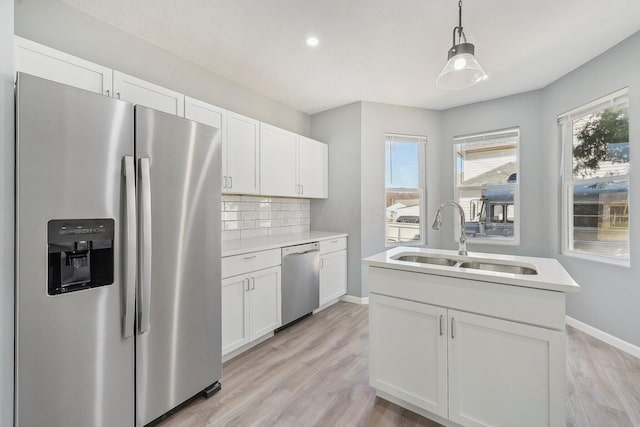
[316, 373]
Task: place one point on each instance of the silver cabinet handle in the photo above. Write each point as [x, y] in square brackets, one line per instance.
[321, 263]
[144, 287]
[224, 182]
[334, 241]
[129, 246]
[441, 322]
[250, 257]
[248, 288]
[453, 326]
[301, 188]
[253, 283]
[230, 182]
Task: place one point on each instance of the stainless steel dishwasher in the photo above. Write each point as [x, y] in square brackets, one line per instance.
[300, 281]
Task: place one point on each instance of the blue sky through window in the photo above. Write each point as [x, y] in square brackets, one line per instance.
[402, 167]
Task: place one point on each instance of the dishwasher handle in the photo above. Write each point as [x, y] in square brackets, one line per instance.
[300, 249]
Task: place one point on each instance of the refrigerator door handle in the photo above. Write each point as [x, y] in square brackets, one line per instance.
[144, 283]
[128, 169]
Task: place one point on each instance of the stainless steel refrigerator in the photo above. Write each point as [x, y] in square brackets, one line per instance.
[118, 259]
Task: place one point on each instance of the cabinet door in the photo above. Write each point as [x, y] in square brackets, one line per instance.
[333, 276]
[407, 351]
[211, 115]
[264, 312]
[504, 373]
[278, 160]
[235, 313]
[42, 61]
[137, 91]
[242, 153]
[313, 164]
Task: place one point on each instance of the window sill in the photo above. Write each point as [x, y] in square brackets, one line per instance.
[596, 258]
[480, 241]
[411, 243]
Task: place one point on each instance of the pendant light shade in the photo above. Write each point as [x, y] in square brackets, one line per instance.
[462, 68]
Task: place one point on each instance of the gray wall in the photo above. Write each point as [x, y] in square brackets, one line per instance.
[378, 120]
[355, 134]
[610, 296]
[524, 111]
[6, 212]
[340, 128]
[62, 27]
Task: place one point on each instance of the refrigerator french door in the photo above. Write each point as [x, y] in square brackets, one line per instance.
[117, 259]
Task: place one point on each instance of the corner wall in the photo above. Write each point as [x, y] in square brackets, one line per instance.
[609, 299]
[610, 295]
[65, 28]
[6, 212]
[378, 120]
[340, 128]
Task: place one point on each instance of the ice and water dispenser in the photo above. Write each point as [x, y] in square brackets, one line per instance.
[80, 254]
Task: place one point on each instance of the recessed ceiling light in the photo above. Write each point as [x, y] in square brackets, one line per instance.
[312, 41]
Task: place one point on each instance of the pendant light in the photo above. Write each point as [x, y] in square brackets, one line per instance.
[462, 69]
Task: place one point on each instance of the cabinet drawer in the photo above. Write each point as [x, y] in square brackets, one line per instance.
[245, 263]
[333, 245]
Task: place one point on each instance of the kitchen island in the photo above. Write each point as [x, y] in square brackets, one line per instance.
[475, 340]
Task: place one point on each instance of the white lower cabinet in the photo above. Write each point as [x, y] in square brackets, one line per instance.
[408, 351]
[333, 276]
[250, 307]
[470, 369]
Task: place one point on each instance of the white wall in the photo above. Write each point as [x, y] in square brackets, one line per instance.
[340, 129]
[610, 296]
[523, 111]
[378, 120]
[62, 27]
[6, 212]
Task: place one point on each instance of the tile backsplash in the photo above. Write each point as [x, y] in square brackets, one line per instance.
[253, 216]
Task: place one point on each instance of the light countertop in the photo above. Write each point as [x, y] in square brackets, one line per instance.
[551, 275]
[253, 244]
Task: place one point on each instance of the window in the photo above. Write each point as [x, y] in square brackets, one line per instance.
[595, 173]
[405, 194]
[487, 185]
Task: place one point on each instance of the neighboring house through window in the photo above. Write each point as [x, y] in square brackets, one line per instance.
[405, 189]
[486, 185]
[595, 175]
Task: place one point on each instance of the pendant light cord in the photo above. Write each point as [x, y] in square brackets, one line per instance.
[459, 27]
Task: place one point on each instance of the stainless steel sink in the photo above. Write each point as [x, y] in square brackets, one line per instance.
[501, 268]
[427, 260]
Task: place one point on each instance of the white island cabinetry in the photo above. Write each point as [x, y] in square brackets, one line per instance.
[467, 347]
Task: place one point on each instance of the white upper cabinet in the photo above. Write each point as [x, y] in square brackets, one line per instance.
[241, 153]
[211, 115]
[137, 91]
[42, 61]
[313, 169]
[278, 161]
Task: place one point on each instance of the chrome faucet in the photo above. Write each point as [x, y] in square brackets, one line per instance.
[437, 223]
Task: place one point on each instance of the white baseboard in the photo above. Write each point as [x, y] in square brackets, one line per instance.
[616, 342]
[355, 300]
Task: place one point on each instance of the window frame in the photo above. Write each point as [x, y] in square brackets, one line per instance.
[565, 124]
[422, 142]
[479, 137]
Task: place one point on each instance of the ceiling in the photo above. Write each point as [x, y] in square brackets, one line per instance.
[388, 51]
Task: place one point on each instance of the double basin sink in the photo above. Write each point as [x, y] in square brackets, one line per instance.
[460, 262]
